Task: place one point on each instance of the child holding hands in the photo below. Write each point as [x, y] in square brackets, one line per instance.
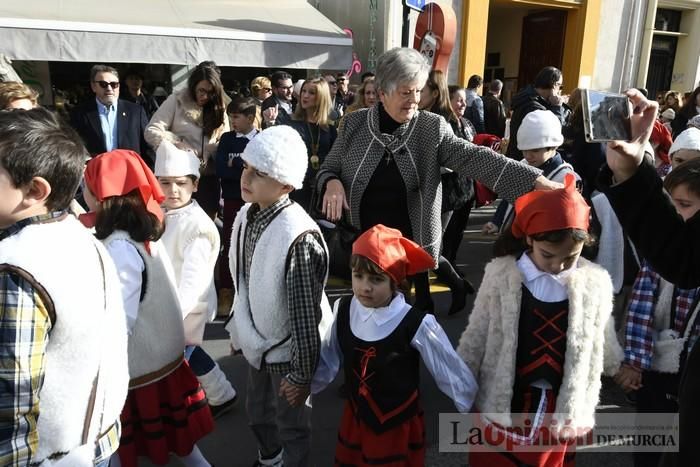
[541, 333]
[380, 340]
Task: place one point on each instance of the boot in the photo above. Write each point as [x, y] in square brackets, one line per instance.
[220, 393]
[225, 303]
[459, 287]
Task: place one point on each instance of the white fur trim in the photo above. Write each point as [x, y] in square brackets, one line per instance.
[489, 343]
[174, 162]
[280, 153]
[61, 256]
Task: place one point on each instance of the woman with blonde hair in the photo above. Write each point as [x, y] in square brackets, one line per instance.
[261, 88]
[14, 95]
[672, 100]
[366, 96]
[311, 121]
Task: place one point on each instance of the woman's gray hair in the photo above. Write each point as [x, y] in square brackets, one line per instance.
[398, 66]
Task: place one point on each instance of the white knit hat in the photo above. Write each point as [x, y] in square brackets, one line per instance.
[280, 153]
[694, 122]
[688, 139]
[668, 114]
[540, 129]
[174, 162]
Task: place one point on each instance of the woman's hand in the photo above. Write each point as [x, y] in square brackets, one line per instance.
[544, 184]
[334, 201]
[624, 157]
[270, 114]
[629, 378]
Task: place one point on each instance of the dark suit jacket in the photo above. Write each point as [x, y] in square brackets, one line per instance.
[132, 121]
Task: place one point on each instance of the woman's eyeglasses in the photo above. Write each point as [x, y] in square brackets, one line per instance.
[105, 84]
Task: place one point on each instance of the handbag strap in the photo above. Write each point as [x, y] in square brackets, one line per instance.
[93, 393]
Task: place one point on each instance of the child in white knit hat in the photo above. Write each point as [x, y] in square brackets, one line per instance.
[539, 136]
[191, 240]
[279, 266]
[685, 147]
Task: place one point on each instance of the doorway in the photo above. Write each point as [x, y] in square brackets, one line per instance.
[542, 43]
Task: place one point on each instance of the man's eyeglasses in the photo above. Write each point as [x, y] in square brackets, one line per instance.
[104, 84]
[332, 83]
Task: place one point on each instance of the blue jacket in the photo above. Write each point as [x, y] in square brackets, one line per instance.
[229, 165]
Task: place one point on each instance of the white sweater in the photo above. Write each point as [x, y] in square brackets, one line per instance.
[62, 257]
[192, 243]
[489, 343]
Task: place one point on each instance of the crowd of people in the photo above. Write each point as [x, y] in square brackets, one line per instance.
[112, 263]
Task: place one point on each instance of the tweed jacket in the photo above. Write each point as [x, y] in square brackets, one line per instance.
[420, 147]
[489, 343]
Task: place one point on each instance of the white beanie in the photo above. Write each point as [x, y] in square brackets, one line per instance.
[280, 153]
[688, 139]
[694, 122]
[668, 114]
[174, 162]
[539, 129]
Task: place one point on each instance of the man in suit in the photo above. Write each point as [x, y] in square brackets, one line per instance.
[107, 122]
[277, 109]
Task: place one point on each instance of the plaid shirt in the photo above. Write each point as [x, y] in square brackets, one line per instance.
[305, 280]
[25, 329]
[639, 328]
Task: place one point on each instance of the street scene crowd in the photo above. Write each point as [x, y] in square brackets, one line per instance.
[129, 224]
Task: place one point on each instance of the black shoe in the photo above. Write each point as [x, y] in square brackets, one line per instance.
[218, 410]
[459, 297]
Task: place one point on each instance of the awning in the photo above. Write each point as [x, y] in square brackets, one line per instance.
[256, 33]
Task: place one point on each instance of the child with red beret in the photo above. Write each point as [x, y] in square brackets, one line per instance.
[380, 340]
[165, 409]
[540, 335]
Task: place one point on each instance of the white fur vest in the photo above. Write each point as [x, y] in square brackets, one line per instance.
[490, 341]
[182, 226]
[63, 258]
[260, 325]
[157, 342]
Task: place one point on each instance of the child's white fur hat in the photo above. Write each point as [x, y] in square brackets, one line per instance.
[174, 162]
[540, 129]
[688, 139]
[280, 153]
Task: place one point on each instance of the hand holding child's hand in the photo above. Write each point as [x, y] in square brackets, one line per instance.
[629, 378]
[295, 395]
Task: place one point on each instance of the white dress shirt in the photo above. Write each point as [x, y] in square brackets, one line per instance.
[449, 371]
[543, 286]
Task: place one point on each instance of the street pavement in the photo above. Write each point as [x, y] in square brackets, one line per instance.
[233, 445]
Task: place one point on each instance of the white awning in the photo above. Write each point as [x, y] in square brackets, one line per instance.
[256, 33]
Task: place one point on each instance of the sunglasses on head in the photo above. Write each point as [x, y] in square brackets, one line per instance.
[112, 84]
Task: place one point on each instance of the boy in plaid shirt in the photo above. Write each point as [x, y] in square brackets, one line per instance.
[279, 266]
[62, 323]
[658, 313]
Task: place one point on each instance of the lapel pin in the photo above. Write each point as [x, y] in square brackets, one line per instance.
[123, 114]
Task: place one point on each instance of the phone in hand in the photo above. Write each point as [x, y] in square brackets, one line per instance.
[606, 116]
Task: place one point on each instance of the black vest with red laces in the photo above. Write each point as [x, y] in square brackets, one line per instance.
[541, 341]
[382, 376]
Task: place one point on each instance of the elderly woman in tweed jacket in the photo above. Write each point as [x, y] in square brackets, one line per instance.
[384, 166]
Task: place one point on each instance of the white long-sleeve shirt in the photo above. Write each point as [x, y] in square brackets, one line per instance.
[130, 268]
[449, 371]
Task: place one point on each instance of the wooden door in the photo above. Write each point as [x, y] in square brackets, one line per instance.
[663, 54]
[542, 44]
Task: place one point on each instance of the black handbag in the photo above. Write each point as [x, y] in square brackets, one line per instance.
[457, 191]
[339, 239]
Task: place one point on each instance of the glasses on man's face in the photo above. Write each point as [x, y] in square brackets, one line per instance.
[105, 84]
[285, 88]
